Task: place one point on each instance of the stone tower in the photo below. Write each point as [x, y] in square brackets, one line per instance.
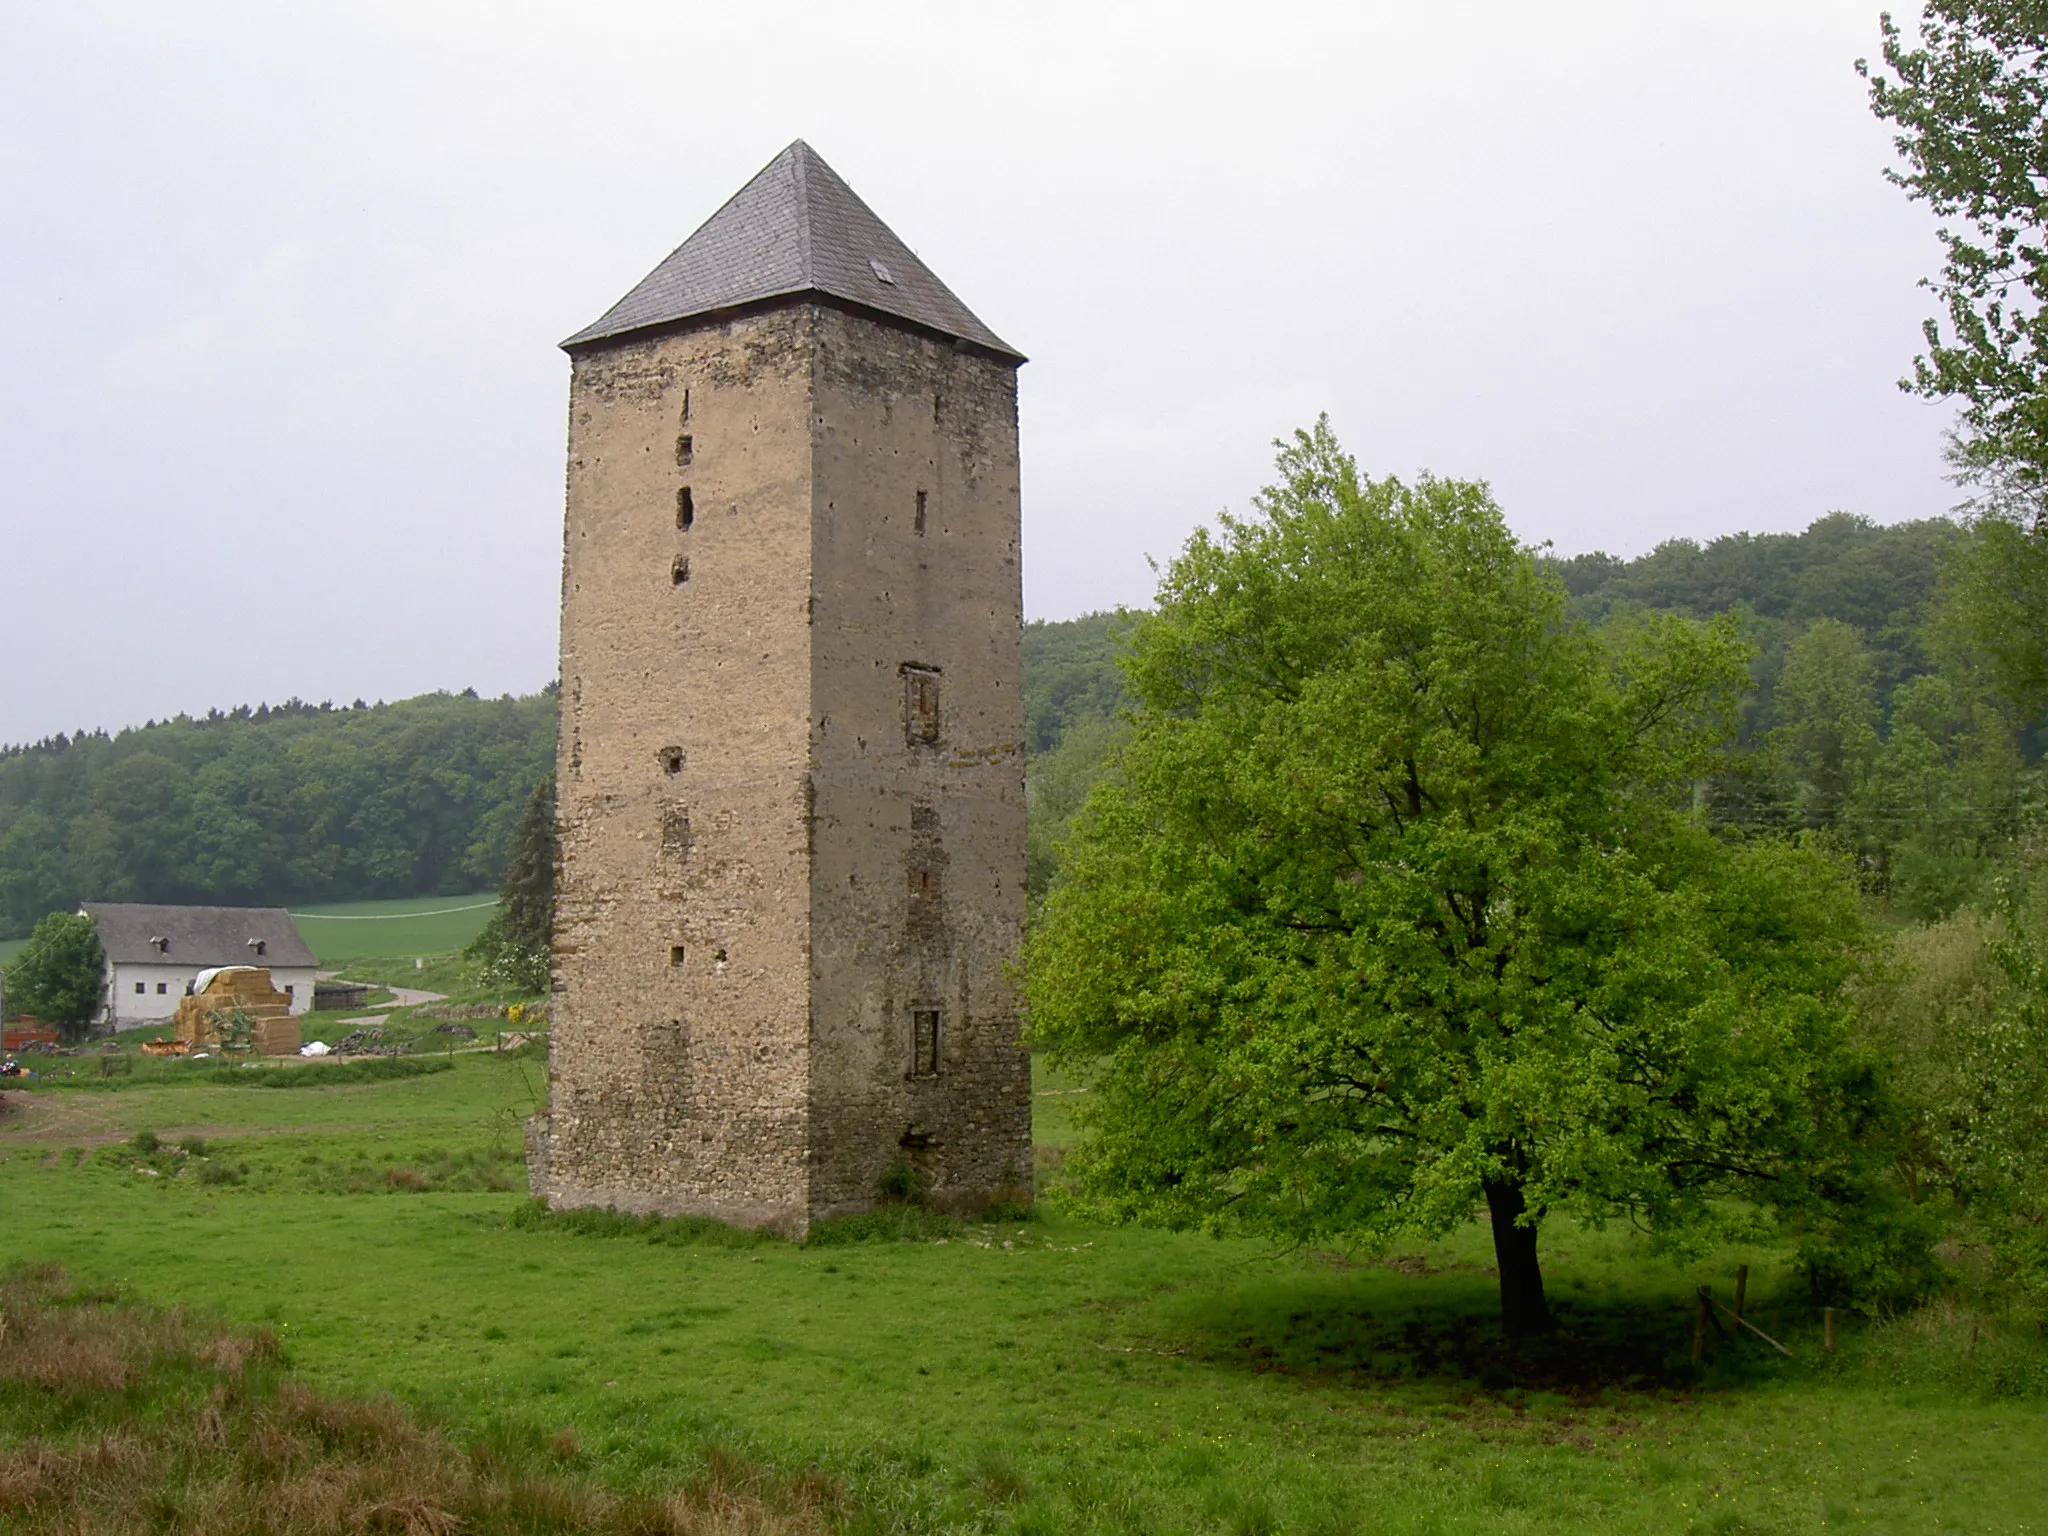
[791, 775]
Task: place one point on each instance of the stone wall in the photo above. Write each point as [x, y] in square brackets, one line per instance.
[917, 889]
[768, 873]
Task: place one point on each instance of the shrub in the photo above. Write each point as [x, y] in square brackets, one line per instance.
[903, 1183]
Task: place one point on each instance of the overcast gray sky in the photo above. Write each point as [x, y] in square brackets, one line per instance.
[281, 286]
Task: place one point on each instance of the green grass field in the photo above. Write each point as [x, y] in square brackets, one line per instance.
[422, 926]
[1040, 1376]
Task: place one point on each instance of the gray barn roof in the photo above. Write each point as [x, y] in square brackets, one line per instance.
[796, 228]
[199, 936]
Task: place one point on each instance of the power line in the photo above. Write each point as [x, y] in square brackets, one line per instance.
[385, 917]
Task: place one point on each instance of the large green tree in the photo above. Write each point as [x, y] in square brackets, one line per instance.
[1967, 90]
[1395, 903]
[58, 976]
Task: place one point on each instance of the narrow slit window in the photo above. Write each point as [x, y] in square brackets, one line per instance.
[924, 1042]
[679, 572]
[686, 450]
[920, 706]
[918, 525]
[686, 506]
[676, 954]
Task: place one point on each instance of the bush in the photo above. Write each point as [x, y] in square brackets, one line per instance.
[903, 1183]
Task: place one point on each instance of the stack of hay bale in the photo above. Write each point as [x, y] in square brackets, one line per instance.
[272, 1029]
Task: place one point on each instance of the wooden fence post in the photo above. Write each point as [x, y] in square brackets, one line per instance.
[1699, 1327]
[1741, 1288]
[1827, 1322]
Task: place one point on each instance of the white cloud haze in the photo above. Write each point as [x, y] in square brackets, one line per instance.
[282, 286]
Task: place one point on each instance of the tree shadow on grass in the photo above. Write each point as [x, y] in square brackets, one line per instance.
[1444, 1329]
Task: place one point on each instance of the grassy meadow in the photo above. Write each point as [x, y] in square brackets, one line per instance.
[1045, 1375]
[420, 926]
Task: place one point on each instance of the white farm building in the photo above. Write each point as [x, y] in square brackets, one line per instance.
[154, 953]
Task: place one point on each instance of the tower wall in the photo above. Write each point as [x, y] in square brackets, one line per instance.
[748, 933]
[680, 1082]
[917, 887]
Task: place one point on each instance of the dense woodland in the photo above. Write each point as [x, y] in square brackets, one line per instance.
[291, 803]
[1858, 722]
[1852, 724]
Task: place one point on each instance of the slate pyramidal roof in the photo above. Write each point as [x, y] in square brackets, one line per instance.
[796, 228]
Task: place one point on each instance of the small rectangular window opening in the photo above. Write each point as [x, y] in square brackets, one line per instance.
[162, 988]
[920, 706]
[679, 572]
[676, 955]
[671, 759]
[138, 988]
[919, 523]
[686, 506]
[924, 1042]
[686, 449]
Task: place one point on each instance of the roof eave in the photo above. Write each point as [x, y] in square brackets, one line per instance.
[591, 338]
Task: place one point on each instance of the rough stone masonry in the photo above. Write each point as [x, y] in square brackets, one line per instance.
[790, 774]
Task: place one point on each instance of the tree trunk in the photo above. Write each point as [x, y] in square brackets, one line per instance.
[1523, 1309]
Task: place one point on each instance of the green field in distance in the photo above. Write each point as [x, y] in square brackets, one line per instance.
[421, 925]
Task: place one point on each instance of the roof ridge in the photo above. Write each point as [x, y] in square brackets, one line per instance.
[800, 152]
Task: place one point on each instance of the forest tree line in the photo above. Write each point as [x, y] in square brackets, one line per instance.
[1853, 723]
[272, 805]
[1866, 717]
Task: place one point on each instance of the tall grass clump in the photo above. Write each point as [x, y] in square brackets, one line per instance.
[115, 1417]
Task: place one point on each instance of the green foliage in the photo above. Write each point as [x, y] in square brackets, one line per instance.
[1074, 702]
[295, 804]
[1397, 898]
[1965, 1020]
[1070, 676]
[515, 948]
[1993, 615]
[1827, 698]
[58, 977]
[1969, 97]
[904, 1183]
[1878, 580]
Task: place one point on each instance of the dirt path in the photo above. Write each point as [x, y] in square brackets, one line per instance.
[412, 997]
